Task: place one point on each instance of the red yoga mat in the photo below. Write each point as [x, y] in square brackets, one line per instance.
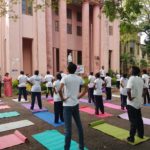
[92, 112]
[12, 139]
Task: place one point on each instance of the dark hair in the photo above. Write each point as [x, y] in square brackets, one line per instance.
[91, 73]
[125, 75]
[72, 68]
[144, 71]
[48, 72]
[107, 74]
[58, 76]
[97, 75]
[135, 71]
[21, 72]
[6, 74]
[36, 72]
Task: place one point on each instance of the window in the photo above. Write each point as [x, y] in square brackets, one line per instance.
[69, 13]
[110, 30]
[79, 16]
[110, 59]
[56, 25]
[57, 60]
[27, 7]
[79, 30]
[69, 28]
[79, 58]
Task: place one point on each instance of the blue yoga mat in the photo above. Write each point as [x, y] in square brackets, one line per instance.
[146, 104]
[54, 140]
[9, 114]
[48, 117]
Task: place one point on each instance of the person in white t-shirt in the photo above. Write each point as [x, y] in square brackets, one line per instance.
[71, 84]
[49, 83]
[98, 83]
[123, 91]
[58, 104]
[36, 81]
[91, 78]
[146, 80]
[102, 73]
[108, 87]
[135, 90]
[22, 79]
[118, 80]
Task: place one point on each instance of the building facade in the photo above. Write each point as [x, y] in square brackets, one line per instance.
[42, 40]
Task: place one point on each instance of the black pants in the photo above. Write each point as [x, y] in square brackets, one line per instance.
[90, 94]
[33, 96]
[123, 101]
[58, 110]
[136, 122]
[98, 104]
[118, 84]
[146, 96]
[0, 89]
[108, 93]
[49, 89]
[22, 91]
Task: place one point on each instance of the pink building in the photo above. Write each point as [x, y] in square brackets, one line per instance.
[43, 40]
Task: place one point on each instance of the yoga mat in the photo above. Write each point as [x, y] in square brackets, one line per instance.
[54, 140]
[1, 103]
[49, 98]
[146, 104]
[4, 106]
[114, 95]
[116, 132]
[12, 139]
[125, 116]
[9, 114]
[83, 100]
[109, 105]
[92, 112]
[22, 100]
[48, 117]
[50, 102]
[36, 108]
[15, 125]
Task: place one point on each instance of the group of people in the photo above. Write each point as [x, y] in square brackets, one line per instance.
[64, 88]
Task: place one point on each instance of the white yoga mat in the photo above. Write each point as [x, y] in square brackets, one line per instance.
[114, 95]
[15, 125]
[22, 100]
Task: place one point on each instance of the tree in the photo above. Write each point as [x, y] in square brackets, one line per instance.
[143, 63]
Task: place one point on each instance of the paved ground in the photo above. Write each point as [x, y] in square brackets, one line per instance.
[94, 140]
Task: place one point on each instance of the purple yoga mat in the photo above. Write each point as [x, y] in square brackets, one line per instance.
[125, 116]
[49, 97]
[36, 108]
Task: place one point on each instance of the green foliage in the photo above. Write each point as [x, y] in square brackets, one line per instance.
[113, 81]
[143, 63]
[15, 83]
[111, 73]
[43, 87]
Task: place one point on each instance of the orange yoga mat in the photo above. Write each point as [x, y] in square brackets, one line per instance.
[12, 139]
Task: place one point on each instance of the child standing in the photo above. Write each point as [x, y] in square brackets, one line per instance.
[98, 83]
[58, 104]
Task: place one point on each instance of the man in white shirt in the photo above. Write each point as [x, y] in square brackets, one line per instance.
[102, 73]
[49, 79]
[98, 84]
[22, 79]
[108, 87]
[135, 89]
[91, 87]
[71, 84]
[118, 80]
[36, 80]
[146, 80]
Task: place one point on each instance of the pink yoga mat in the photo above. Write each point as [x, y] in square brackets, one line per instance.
[92, 112]
[12, 139]
[113, 106]
[4, 106]
[125, 116]
[50, 102]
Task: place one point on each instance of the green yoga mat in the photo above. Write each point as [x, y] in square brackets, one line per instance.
[54, 140]
[9, 114]
[116, 132]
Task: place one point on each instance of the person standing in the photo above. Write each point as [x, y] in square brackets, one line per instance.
[102, 73]
[135, 90]
[118, 80]
[91, 87]
[145, 78]
[71, 84]
[36, 80]
[7, 85]
[49, 79]
[98, 83]
[58, 107]
[123, 91]
[108, 87]
[22, 85]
